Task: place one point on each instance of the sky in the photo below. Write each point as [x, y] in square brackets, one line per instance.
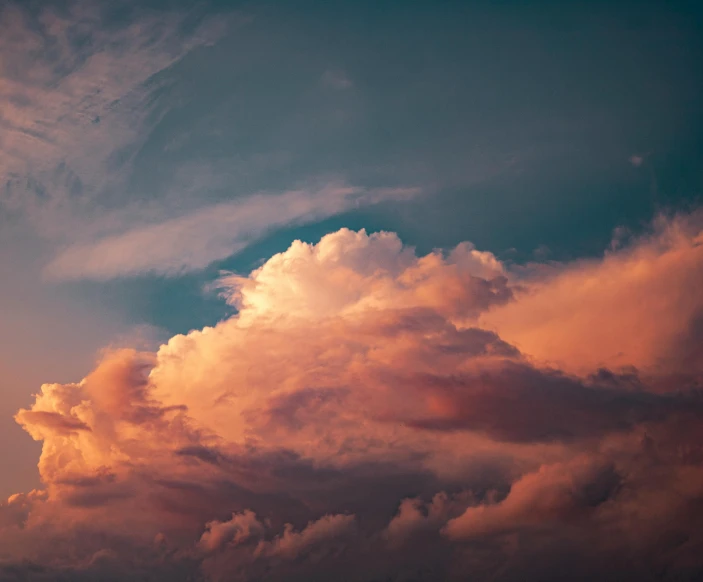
[351, 290]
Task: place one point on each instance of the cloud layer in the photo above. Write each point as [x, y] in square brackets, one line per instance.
[368, 414]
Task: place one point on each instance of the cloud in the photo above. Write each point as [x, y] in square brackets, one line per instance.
[78, 95]
[368, 413]
[82, 94]
[51, 421]
[192, 242]
[415, 517]
[354, 272]
[563, 491]
[241, 528]
[15, 511]
[636, 306]
[290, 544]
[355, 418]
[492, 396]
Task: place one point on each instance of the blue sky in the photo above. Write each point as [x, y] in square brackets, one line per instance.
[224, 131]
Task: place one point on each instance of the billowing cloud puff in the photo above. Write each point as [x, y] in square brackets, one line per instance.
[416, 517]
[562, 491]
[350, 273]
[640, 306]
[240, 529]
[369, 414]
[290, 544]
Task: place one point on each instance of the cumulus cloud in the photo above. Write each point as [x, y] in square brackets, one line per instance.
[416, 517]
[241, 528]
[562, 491]
[348, 272]
[357, 418]
[81, 93]
[638, 306]
[290, 544]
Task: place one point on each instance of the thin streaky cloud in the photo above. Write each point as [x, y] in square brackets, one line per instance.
[73, 113]
[191, 242]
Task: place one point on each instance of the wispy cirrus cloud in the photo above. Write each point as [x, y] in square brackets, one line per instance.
[81, 95]
[78, 97]
[191, 242]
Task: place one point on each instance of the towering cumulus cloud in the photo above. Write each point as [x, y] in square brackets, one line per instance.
[369, 414]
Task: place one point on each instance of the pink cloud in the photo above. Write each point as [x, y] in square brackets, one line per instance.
[290, 544]
[357, 407]
[636, 306]
[558, 492]
[243, 527]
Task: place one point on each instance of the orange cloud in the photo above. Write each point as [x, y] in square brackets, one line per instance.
[357, 406]
[561, 492]
[640, 306]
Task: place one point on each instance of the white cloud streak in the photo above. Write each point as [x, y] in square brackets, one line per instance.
[192, 242]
